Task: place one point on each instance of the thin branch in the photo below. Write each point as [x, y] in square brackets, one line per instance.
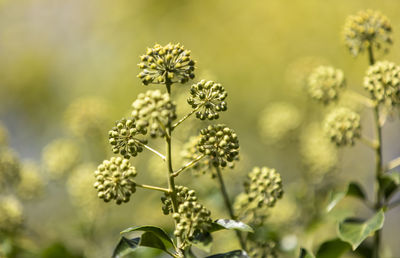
[186, 116]
[368, 142]
[154, 151]
[361, 98]
[151, 187]
[188, 165]
[393, 163]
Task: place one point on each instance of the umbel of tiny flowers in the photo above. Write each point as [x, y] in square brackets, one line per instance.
[343, 127]
[123, 137]
[208, 98]
[166, 64]
[325, 83]
[154, 110]
[367, 29]
[183, 194]
[114, 180]
[382, 80]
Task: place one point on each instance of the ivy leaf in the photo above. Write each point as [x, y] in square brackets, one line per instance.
[334, 248]
[355, 232]
[221, 224]
[125, 246]
[304, 253]
[160, 233]
[353, 189]
[389, 183]
[150, 239]
[232, 254]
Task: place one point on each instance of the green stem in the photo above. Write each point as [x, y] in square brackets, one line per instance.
[188, 165]
[152, 150]
[393, 163]
[185, 117]
[151, 187]
[229, 205]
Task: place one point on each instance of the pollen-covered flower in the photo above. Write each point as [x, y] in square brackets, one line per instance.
[343, 127]
[166, 64]
[31, 184]
[383, 82]
[325, 83]
[219, 143]
[9, 168]
[209, 97]
[11, 216]
[367, 28]
[182, 194]
[123, 137]
[154, 110]
[114, 180]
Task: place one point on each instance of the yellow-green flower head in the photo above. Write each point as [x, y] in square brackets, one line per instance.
[11, 216]
[367, 28]
[123, 137]
[166, 64]
[9, 168]
[87, 116]
[343, 127]
[3, 135]
[219, 143]
[115, 180]
[31, 184]
[318, 153]
[383, 82]
[325, 83]
[277, 122]
[153, 109]
[60, 156]
[182, 194]
[208, 98]
[191, 219]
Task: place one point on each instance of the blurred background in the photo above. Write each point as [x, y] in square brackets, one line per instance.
[68, 71]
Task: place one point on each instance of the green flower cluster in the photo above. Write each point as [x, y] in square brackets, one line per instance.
[31, 184]
[343, 127]
[324, 84]
[182, 194]
[208, 96]
[166, 64]
[383, 82]
[114, 180]
[122, 137]
[219, 143]
[11, 216]
[154, 110]
[367, 28]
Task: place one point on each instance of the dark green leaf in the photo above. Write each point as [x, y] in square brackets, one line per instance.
[304, 253]
[389, 183]
[355, 232]
[160, 233]
[334, 248]
[203, 241]
[353, 189]
[220, 224]
[125, 246]
[232, 254]
[150, 239]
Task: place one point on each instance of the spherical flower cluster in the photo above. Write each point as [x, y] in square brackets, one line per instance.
[182, 194]
[114, 180]
[31, 184]
[343, 127]
[219, 143]
[166, 64]
[60, 156]
[9, 168]
[10, 214]
[383, 82]
[123, 137]
[153, 109]
[367, 28]
[209, 97]
[191, 219]
[324, 84]
[278, 121]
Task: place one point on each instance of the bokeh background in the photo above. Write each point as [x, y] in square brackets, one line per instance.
[68, 71]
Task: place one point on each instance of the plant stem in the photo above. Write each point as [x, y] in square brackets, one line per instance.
[368, 142]
[153, 150]
[186, 116]
[229, 205]
[393, 163]
[151, 187]
[191, 163]
[362, 99]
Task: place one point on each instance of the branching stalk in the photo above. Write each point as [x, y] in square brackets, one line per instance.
[153, 150]
[151, 187]
[186, 117]
[393, 163]
[373, 145]
[188, 165]
[362, 99]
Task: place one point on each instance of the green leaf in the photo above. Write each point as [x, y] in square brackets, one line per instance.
[220, 224]
[304, 253]
[203, 241]
[353, 189]
[232, 254]
[160, 233]
[389, 183]
[150, 239]
[334, 248]
[125, 246]
[355, 232]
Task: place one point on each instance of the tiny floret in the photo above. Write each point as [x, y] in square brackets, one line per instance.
[367, 28]
[166, 64]
[342, 126]
[114, 180]
[209, 98]
[325, 83]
